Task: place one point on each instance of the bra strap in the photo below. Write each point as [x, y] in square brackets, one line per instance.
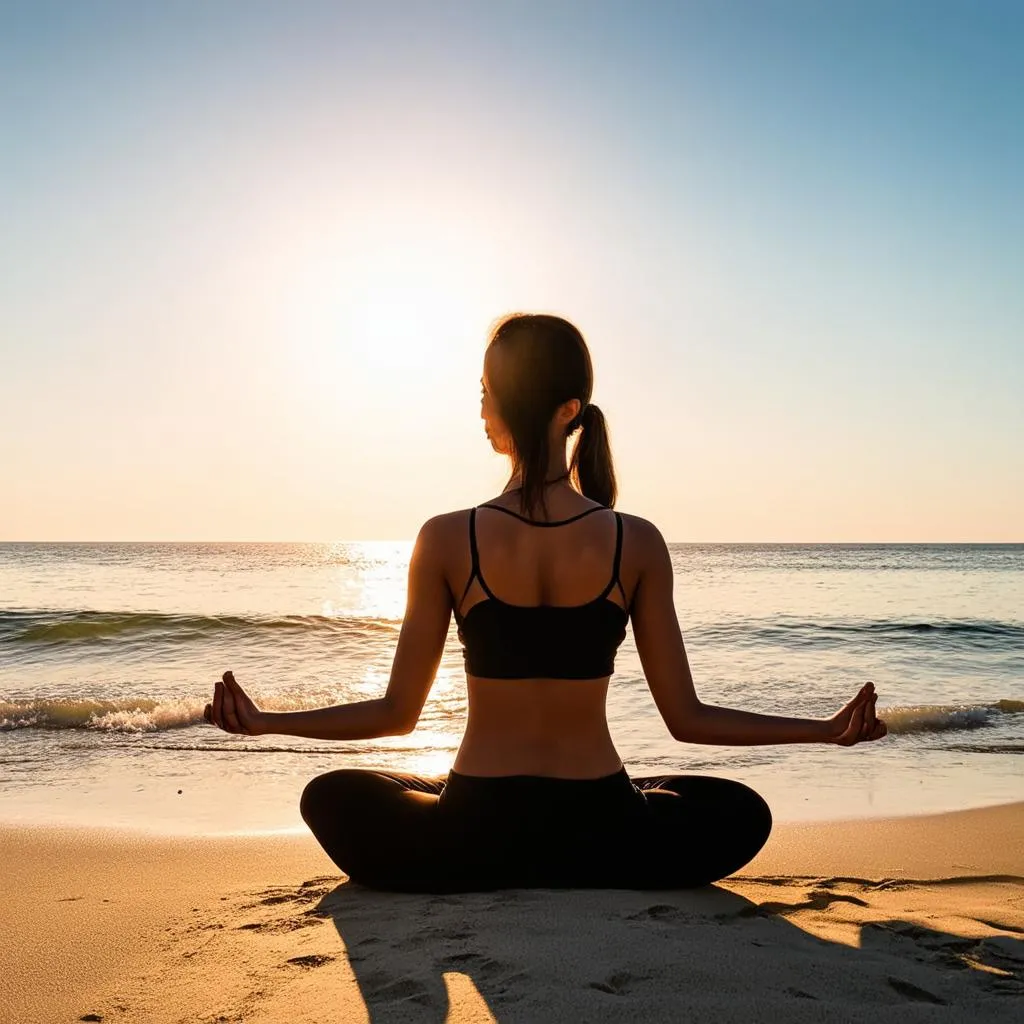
[475, 573]
[617, 561]
[473, 550]
[617, 564]
[474, 553]
[540, 522]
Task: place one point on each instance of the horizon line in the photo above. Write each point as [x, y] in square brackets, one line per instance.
[409, 540]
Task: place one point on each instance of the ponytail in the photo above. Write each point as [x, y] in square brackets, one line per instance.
[591, 463]
[545, 363]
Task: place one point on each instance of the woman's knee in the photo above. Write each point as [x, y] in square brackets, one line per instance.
[752, 817]
[333, 793]
[742, 825]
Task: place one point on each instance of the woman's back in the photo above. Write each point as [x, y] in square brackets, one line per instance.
[542, 605]
[542, 581]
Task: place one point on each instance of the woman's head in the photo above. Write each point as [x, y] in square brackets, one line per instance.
[538, 379]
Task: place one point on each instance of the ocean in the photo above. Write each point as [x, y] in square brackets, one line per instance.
[108, 653]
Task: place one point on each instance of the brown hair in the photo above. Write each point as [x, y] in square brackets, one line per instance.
[545, 362]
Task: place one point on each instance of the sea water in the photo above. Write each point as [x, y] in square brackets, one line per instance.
[109, 652]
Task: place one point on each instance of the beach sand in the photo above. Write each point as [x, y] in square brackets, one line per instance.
[908, 919]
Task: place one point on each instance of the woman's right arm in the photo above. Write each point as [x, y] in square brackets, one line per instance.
[421, 642]
[662, 653]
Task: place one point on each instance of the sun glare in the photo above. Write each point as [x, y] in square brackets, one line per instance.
[395, 308]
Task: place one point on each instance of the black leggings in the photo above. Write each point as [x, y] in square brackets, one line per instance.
[466, 833]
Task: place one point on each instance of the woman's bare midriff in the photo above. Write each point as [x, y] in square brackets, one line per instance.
[552, 727]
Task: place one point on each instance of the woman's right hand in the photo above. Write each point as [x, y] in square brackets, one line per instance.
[856, 723]
[233, 709]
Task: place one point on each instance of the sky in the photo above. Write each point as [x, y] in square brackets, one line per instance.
[250, 252]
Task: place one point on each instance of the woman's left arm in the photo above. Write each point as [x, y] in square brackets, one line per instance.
[420, 645]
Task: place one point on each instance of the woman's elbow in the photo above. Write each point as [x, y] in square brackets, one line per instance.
[396, 718]
[684, 733]
[401, 721]
[687, 727]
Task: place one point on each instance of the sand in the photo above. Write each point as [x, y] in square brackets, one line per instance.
[910, 919]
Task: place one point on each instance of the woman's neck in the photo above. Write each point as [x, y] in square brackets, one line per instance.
[516, 483]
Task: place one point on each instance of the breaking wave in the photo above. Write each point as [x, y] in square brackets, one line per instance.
[139, 715]
[947, 717]
[130, 714]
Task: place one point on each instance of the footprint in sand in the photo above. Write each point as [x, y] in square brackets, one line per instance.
[499, 979]
[280, 927]
[657, 912]
[380, 987]
[308, 892]
[799, 993]
[819, 899]
[918, 995]
[619, 984]
[474, 963]
[996, 955]
[310, 960]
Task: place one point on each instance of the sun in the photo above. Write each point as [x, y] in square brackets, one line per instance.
[402, 308]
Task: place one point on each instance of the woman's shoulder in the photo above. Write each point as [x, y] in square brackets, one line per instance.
[642, 535]
[641, 527]
[443, 524]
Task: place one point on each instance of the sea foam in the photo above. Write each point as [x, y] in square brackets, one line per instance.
[947, 717]
[139, 714]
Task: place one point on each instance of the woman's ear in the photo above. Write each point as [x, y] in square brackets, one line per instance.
[568, 411]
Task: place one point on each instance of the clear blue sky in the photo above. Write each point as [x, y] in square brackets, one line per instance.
[249, 253]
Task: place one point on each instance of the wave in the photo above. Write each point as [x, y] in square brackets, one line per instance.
[53, 628]
[949, 634]
[947, 717]
[133, 715]
[365, 749]
[67, 630]
[144, 715]
[988, 748]
[129, 714]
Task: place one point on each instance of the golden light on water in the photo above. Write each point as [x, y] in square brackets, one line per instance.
[371, 579]
[433, 762]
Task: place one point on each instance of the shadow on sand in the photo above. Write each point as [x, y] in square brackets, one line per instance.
[708, 955]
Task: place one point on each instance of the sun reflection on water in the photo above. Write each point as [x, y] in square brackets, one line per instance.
[369, 578]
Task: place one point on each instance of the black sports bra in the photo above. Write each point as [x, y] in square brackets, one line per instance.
[511, 641]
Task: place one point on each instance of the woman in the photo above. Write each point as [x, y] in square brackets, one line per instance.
[542, 581]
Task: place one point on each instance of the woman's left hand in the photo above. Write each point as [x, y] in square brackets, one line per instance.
[233, 709]
[856, 723]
